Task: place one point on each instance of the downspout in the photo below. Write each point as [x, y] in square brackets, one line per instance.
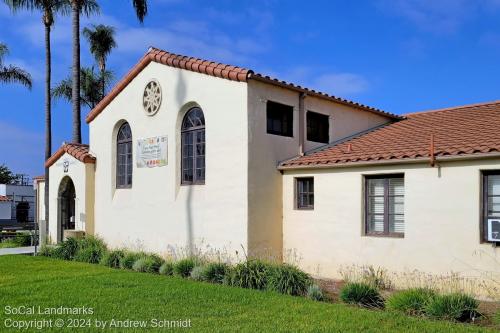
[302, 119]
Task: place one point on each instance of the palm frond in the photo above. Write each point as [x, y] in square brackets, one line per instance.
[141, 9]
[62, 90]
[89, 7]
[13, 74]
[102, 41]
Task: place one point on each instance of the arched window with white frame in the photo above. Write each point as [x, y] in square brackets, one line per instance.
[193, 147]
[124, 157]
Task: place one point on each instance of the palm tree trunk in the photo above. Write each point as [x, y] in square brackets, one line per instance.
[103, 83]
[48, 120]
[77, 126]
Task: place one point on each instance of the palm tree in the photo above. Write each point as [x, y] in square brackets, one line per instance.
[90, 87]
[102, 41]
[88, 7]
[11, 73]
[48, 8]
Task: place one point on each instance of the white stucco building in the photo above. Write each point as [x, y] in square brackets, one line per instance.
[185, 151]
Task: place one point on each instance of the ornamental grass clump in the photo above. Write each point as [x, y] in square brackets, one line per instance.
[67, 249]
[148, 263]
[197, 273]
[287, 279]
[91, 249]
[411, 301]
[112, 258]
[251, 274]
[129, 259]
[456, 307]
[315, 293]
[361, 294]
[215, 272]
[167, 268]
[46, 251]
[184, 267]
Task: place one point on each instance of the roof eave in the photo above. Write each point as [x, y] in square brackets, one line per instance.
[391, 162]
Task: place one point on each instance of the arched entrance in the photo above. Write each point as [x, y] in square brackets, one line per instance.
[65, 207]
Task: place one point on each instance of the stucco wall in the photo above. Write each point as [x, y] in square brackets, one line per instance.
[5, 210]
[77, 171]
[266, 151]
[157, 211]
[442, 221]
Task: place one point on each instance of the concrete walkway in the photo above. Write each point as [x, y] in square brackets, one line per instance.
[17, 250]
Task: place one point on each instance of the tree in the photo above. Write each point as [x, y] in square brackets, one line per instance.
[48, 9]
[102, 41]
[11, 73]
[6, 176]
[90, 87]
[88, 7]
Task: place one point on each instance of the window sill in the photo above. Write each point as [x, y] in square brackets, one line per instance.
[394, 235]
[191, 184]
[304, 208]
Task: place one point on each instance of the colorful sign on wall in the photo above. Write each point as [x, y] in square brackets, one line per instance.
[152, 152]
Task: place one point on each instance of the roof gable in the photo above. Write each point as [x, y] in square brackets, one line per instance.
[78, 151]
[216, 69]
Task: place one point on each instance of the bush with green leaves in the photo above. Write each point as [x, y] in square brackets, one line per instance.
[315, 293]
[288, 279]
[215, 272]
[91, 249]
[197, 273]
[46, 251]
[129, 259]
[113, 258]
[67, 249]
[184, 266]
[22, 239]
[456, 306]
[361, 294]
[251, 274]
[411, 301]
[167, 268]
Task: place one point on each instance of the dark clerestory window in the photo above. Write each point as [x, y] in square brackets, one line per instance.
[279, 119]
[305, 193]
[124, 157]
[317, 127]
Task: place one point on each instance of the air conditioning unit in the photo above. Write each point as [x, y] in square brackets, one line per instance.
[494, 230]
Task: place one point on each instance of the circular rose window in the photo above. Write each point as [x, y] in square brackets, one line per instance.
[151, 100]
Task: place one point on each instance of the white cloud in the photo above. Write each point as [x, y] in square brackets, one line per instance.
[341, 84]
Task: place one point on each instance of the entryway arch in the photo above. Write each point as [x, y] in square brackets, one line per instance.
[65, 206]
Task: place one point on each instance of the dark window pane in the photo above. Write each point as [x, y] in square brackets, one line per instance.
[317, 127]
[279, 119]
[384, 205]
[305, 193]
[124, 156]
[193, 147]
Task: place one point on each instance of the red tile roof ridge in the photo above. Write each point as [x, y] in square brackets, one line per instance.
[453, 108]
[79, 151]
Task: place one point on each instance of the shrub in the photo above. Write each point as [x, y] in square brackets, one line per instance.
[215, 272]
[148, 263]
[288, 279]
[457, 306]
[184, 267]
[139, 265]
[22, 239]
[167, 268]
[411, 301]
[315, 293]
[113, 258]
[91, 250]
[66, 250]
[46, 251]
[251, 274]
[361, 294]
[197, 273]
[129, 259]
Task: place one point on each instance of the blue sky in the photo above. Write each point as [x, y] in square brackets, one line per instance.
[397, 55]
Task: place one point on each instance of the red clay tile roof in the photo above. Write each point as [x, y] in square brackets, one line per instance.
[216, 69]
[77, 150]
[4, 198]
[470, 130]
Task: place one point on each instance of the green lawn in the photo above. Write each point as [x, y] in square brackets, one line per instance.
[122, 295]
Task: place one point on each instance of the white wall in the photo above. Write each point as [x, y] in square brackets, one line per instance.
[157, 211]
[267, 150]
[442, 221]
[77, 171]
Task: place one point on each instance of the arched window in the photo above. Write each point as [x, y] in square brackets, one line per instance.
[193, 147]
[124, 157]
